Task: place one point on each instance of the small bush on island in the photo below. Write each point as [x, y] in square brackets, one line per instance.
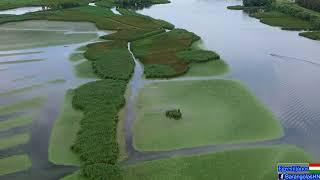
[174, 114]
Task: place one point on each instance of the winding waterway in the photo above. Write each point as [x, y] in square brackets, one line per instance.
[273, 63]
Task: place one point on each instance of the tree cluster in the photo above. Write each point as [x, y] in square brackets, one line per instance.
[299, 12]
[138, 3]
[257, 2]
[61, 4]
[310, 4]
[174, 114]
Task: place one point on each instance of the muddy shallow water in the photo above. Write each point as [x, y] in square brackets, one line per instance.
[270, 61]
[51, 43]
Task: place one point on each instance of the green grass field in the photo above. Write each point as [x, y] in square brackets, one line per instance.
[243, 164]
[14, 164]
[276, 18]
[213, 112]
[16, 122]
[315, 35]
[64, 134]
[14, 140]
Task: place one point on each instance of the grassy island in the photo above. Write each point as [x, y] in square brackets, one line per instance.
[214, 112]
[287, 15]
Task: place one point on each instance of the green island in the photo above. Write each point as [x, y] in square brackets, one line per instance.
[286, 14]
[86, 133]
[205, 123]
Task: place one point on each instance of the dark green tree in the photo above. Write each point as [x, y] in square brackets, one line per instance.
[257, 2]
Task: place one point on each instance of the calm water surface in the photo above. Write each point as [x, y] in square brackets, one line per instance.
[287, 84]
[53, 42]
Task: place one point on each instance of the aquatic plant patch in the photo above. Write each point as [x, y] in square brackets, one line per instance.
[100, 102]
[11, 141]
[23, 105]
[84, 70]
[64, 134]
[214, 112]
[211, 68]
[132, 34]
[111, 60]
[158, 52]
[14, 164]
[243, 162]
[20, 61]
[16, 122]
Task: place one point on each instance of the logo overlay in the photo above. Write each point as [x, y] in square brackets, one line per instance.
[299, 171]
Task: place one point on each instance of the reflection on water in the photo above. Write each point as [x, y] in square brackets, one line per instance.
[288, 87]
[23, 10]
[53, 43]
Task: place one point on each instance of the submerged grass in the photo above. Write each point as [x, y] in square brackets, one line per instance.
[23, 105]
[256, 163]
[16, 122]
[14, 164]
[64, 134]
[76, 57]
[19, 54]
[214, 112]
[21, 61]
[84, 70]
[9, 4]
[211, 68]
[30, 88]
[15, 140]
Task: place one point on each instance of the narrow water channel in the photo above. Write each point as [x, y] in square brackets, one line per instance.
[135, 84]
[287, 86]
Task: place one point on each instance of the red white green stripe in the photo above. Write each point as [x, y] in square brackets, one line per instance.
[314, 168]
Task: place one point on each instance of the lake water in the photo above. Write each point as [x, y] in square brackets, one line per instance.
[50, 44]
[270, 61]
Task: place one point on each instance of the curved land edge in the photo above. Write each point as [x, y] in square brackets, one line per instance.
[96, 142]
[287, 15]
